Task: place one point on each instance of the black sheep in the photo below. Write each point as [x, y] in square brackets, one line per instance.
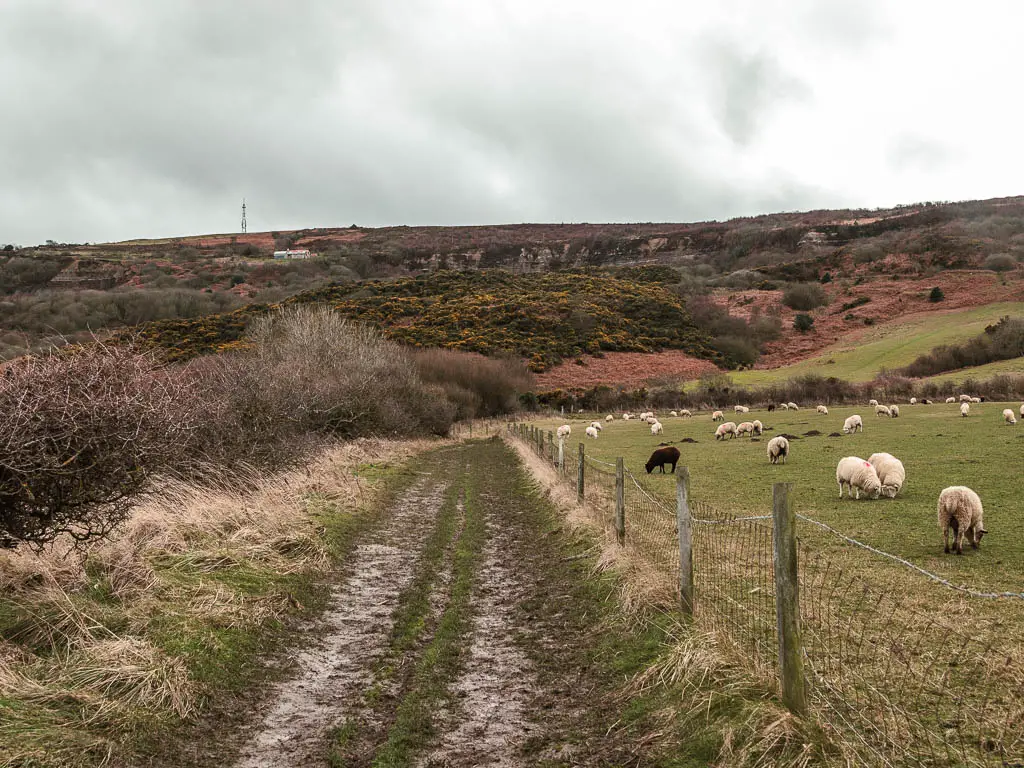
[661, 457]
[771, 407]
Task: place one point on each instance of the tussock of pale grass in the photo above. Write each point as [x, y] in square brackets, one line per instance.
[73, 683]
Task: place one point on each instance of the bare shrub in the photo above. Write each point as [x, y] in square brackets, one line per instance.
[804, 297]
[477, 385]
[81, 433]
[317, 372]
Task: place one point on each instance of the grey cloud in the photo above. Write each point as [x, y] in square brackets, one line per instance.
[917, 153]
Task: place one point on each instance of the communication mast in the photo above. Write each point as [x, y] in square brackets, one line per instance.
[243, 216]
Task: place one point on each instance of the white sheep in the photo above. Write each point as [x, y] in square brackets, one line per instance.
[743, 428]
[793, 406]
[783, 406]
[627, 416]
[652, 419]
[1008, 416]
[672, 413]
[822, 410]
[950, 399]
[685, 414]
[894, 411]
[913, 401]
[858, 475]
[1022, 411]
[591, 432]
[741, 408]
[778, 449]
[728, 428]
[872, 402]
[646, 415]
[564, 431]
[609, 417]
[975, 400]
[965, 398]
[960, 509]
[597, 425]
[890, 471]
[758, 427]
[656, 428]
[717, 416]
[965, 409]
[883, 410]
[853, 423]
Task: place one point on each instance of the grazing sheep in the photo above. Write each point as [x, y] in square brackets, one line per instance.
[741, 408]
[656, 428]
[950, 399]
[591, 432]
[717, 416]
[913, 401]
[686, 414]
[652, 419]
[883, 410]
[965, 408]
[853, 424]
[783, 406]
[926, 401]
[822, 410]
[662, 456]
[609, 417]
[894, 411]
[778, 449]
[890, 472]
[564, 431]
[1008, 416]
[728, 428]
[975, 400]
[597, 425]
[965, 398]
[1022, 411]
[858, 475]
[771, 407]
[627, 416]
[672, 413]
[793, 406]
[758, 427]
[744, 428]
[872, 402]
[960, 509]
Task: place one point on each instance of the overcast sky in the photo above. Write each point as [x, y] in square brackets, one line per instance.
[149, 118]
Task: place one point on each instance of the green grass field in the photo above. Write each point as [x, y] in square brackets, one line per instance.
[938, 447]
[893, 345]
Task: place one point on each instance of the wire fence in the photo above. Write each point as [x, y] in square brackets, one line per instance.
[898, 673]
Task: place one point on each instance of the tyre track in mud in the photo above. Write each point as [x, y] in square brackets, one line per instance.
[353, 633]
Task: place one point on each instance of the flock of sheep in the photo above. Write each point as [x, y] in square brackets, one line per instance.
[959, 508]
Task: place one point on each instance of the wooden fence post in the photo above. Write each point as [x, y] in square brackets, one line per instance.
[620, 502]
[561, 454]
[787, 599]
[551, 447]
[579, 476]
[685, 540]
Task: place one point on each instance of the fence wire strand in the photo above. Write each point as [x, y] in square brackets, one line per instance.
[899, 682]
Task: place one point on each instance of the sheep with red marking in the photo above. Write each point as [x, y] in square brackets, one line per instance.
[858, 475]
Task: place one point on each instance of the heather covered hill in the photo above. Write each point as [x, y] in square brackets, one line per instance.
[543, 317]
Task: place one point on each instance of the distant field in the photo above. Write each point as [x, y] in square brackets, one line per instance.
[892, 345]
[937, 446]
[1016, 365]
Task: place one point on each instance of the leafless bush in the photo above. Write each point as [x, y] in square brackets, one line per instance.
[477, 385]
[321, 373]
[81, 433]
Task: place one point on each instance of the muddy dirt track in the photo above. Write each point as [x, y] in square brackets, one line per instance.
[454, 640]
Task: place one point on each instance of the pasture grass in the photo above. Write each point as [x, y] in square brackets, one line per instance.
[889, 345]
[937, 446]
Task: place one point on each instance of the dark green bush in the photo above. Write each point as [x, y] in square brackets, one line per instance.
[936, 295]
[804, 296]
[803, 323]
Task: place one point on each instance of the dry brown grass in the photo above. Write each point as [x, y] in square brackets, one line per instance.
[81, 662]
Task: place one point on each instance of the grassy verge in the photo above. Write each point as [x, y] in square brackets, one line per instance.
[111, 654]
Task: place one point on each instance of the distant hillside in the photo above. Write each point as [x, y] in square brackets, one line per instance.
[542, 317]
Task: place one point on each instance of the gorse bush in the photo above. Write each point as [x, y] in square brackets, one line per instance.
[804, 296]
[803, 323]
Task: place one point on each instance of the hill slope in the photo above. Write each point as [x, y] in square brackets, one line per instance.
[543, 317]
